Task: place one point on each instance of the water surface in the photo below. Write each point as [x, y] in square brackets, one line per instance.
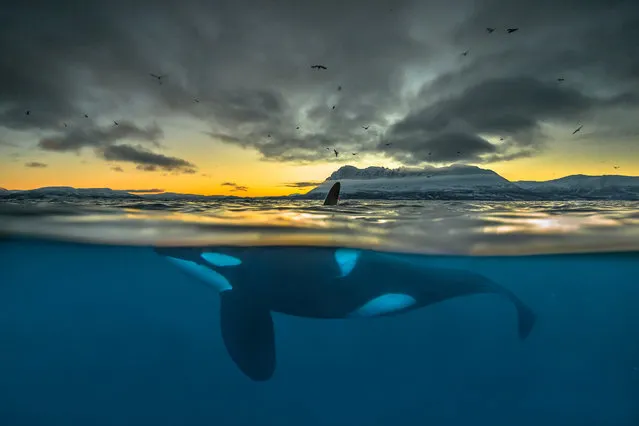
[97, 329]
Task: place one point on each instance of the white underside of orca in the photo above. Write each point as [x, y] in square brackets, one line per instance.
[384, 304]
[220, 259]
[204, 274]
[346, 260]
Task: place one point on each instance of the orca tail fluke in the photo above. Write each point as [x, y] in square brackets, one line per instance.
[333, 195]
[248, 334]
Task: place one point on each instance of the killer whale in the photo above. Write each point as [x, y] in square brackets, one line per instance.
[315, 282]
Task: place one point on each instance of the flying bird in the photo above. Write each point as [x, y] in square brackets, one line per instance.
[490, 30]
[578, 129]
[27, 112]
[354, 153]
[86, 116]
[336, 153]
[512, 30]
[333, 107]
[196, 100]
[388, 144]
[615, 167]
[319, 67]
[159, 77]
[269, 135]
[339, 88]
[115, 123]
[365, 127]
[465, 53]
[297, 128]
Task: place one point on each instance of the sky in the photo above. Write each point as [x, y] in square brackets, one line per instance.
[240, 110]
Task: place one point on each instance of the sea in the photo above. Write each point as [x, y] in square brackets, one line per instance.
[97, 328]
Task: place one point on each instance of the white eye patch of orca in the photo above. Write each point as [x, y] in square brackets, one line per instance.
[220, 259]
[346, 260]
[384, 304]
[201, 272]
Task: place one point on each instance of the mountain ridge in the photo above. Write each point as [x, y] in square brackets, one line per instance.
[457, 182]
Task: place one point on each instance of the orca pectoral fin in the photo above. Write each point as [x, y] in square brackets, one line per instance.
[248, 334]
[526, 318]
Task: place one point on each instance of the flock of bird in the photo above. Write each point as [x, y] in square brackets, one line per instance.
[489, 30]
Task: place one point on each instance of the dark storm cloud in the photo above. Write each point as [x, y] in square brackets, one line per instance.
[7, 143]
[507, 89]
[507, 108]
[243, 68]
[145, 159]
[235, 186]
[36, 165]
[302, 184]
[79, 137]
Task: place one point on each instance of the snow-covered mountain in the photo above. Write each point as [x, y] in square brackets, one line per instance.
[68, 192]
[61, 192]
[470, 182]
[583, 186]
[454, 182]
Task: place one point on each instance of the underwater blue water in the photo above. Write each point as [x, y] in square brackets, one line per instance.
[107, 334]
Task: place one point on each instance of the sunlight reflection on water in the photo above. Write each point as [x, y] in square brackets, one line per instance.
[486, 228]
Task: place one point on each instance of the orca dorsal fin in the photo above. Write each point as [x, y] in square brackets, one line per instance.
[333, 195]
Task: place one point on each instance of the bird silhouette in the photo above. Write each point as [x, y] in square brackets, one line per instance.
[86, 116]
[158, 77]
[115, 123]
[388, 144]
[339, 88]
[560, 79]
[465, 53]
[336, 153]
[27, 112]
[319, 67]
[365, 127]
[196, 100]
[578, 129]
[615, 167]
[490, 30]
[512, 30]
[333, 107]
[354, 153]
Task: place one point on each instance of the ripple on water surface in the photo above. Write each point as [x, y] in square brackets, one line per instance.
[444, 227]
